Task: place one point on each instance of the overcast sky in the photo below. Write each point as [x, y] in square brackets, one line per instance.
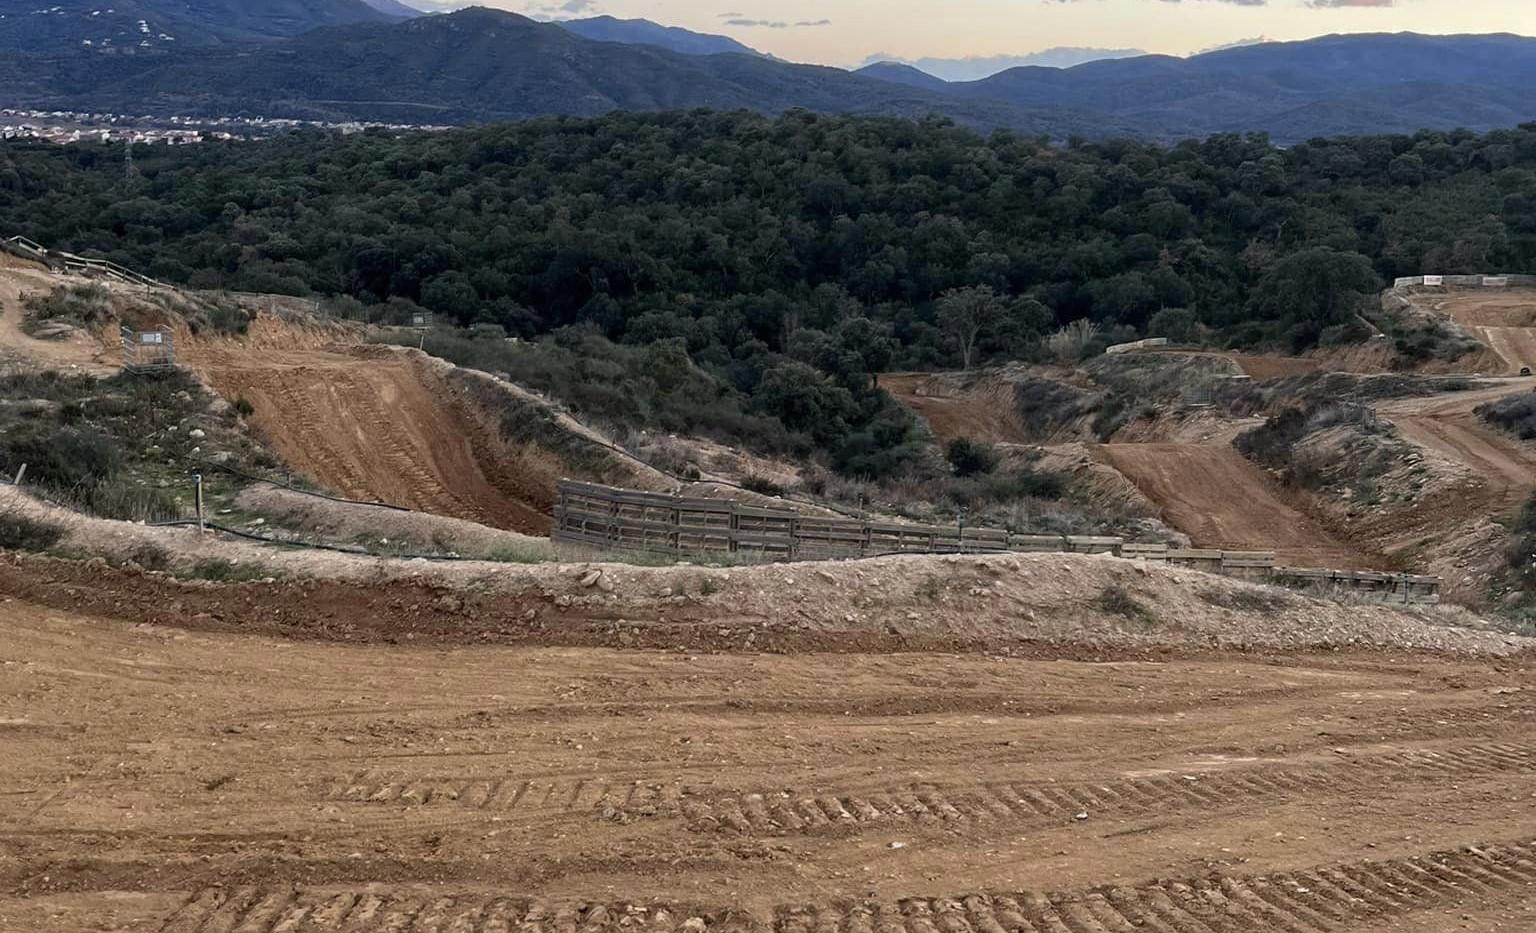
[844, 32]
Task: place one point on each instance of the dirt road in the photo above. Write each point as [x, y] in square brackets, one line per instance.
[379, 426]
[1221, 500]
[173, 781]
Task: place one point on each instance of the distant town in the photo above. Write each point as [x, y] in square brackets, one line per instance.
[68, 126]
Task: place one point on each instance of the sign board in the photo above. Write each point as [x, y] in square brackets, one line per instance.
[1495, 281]
[421, 320]
[152, 337]
[1434, 280]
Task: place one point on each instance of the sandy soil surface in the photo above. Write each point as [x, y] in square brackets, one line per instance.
[168, 780]
[1222, 500]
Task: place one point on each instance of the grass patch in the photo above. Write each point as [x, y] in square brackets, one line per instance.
[1116, 600]
[1247, 600]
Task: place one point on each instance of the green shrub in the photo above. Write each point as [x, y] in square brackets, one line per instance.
[762, 485]
[969, 457]
[1515, 414]
[79, 305]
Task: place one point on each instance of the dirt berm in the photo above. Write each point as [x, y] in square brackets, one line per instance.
[1057, 604]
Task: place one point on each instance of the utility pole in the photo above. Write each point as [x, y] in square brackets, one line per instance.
[129, 170]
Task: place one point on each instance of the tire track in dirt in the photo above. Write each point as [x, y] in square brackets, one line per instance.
[784, 812]
[1328, 899]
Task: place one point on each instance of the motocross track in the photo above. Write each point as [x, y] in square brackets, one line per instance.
[1502, 319]
[1222, 500]
[381, 426]
[1447, 425]
[173, 781]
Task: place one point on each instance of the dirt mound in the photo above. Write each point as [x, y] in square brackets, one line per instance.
[1222, 500]
[1051, 603]
[385, 529]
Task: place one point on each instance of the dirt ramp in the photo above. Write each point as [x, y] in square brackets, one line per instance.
[1221, 500]
[386, 428]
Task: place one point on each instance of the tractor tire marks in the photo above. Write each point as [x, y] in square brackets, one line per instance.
[787, 812]
[1330, 899]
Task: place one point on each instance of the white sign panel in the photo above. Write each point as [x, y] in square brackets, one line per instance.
[152, 338]
[1495, 281]
[1434, 280]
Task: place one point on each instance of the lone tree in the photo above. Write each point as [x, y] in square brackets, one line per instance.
[966, 313]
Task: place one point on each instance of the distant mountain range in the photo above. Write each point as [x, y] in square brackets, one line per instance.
[975, 68]
[645, 32]
[480, 65]
[133, 25]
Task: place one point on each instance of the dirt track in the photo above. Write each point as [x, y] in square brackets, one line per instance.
[988, 413]
[1446, 424]
[1222, 500]
[164, 780]
[83, 352]
[379, 426]
[1502, 319]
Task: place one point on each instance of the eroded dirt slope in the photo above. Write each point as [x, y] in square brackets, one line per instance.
[167, 781]
[984, 412]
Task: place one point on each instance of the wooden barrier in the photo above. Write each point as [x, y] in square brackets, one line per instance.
[606, 518]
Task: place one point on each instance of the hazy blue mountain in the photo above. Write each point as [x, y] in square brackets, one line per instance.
[645, 32]
[1336, 84]
[974, 68]
[394, 8]
[479, 65]
[158, 25]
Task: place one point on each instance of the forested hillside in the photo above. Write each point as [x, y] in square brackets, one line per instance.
[778, 262]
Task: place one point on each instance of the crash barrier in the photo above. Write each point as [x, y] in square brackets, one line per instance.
[607, 518]
[1466, 281]
[1151, 343]
[69, 262]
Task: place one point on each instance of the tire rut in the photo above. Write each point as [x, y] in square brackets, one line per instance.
[1329, 899]
[789, 812]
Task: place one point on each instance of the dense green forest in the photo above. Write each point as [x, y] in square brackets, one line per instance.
[770, 266]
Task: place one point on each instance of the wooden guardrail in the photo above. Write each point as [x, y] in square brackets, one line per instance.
[612, 519]
[69, 262]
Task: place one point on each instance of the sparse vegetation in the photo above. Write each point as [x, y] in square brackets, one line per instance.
[1515, 414]
[1246, 600]
[1116, 600]
[72, 305]
[21, 533]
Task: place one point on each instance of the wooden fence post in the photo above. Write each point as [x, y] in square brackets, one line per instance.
[197, 498]
[21, 474]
